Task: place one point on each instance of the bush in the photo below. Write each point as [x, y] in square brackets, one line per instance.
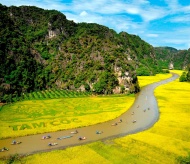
[143, 71]
[165, 71]
[184, 160]
[13, 159]
[183, 77]
[188, 76]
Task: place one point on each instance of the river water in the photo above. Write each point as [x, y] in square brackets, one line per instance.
[141, 116]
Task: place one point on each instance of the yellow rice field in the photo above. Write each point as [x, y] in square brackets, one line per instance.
[164, 143]
[145, 80]
[39, 116]
[33, 116]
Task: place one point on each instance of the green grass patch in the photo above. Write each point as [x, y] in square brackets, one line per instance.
[53, 94]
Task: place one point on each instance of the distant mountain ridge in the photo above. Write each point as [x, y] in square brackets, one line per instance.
[41, 49]
[167, 56]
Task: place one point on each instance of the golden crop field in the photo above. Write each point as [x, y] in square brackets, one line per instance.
[164, 143]
[32, 116]
[145, 80]
[39, 116]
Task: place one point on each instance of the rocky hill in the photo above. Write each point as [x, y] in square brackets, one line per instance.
[41, 49]
[172, 58]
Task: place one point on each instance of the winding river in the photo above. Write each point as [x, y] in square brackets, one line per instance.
[141, 116]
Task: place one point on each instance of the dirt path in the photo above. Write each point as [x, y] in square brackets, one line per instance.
[142, 115]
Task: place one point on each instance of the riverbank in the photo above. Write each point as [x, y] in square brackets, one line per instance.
[168, 141]
[144, 120]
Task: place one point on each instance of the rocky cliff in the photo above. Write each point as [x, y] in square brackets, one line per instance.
[41, 49]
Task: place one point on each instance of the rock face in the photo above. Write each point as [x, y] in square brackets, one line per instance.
[52, 33]
[171, 66]
[41, 49]
[172, 58]
[125, 81]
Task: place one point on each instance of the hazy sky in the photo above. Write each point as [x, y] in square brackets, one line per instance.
[158, 22]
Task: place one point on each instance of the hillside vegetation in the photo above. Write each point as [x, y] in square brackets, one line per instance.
[179, 59]
[41, 49]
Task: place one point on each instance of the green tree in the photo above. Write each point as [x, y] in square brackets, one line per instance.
[188, 76]
[183, 77]
[188, 73]
[106, 83]
[184, 160]
[143, 71]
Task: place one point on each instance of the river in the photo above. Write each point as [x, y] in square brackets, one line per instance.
[143, 114]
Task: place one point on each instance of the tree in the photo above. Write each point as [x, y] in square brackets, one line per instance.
[106, 83]
[188, 76]
[143, 71]
[183, 77]
[188, 73]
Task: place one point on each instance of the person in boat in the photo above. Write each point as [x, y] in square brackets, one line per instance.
[114, 124]
[4, 149]
[46, 137]
[82, 138]
[120, 120]
[99, 132]
[52, 144]
[14, 142]
[134, 121]
[74, 132]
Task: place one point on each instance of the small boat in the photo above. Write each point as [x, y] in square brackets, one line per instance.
[82, 138]
[16, 142]
[134, 121]
[114, 124]
[46, 137]
[74, 132]
[64, 137]
[120, 121]
[52, 144]
[99, 132]
[4, 149]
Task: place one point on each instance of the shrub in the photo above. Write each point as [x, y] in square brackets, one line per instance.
[184, 160]
[143, 71]
[183, 77]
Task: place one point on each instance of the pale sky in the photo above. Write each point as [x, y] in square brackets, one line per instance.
[158, 22]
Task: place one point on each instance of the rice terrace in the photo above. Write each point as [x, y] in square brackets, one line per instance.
[171, 148]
